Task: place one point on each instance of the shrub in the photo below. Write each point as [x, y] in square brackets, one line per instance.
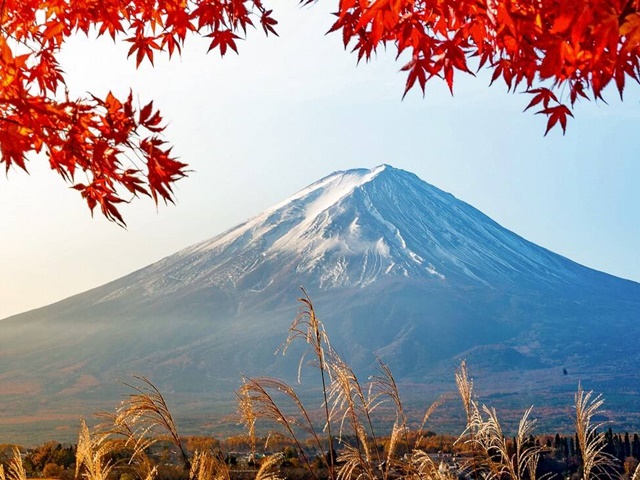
[52, 470]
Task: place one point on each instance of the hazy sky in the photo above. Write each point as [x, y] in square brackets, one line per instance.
[289, 110]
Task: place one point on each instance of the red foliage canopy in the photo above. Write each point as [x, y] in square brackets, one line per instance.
[542, 45]
[579, 44]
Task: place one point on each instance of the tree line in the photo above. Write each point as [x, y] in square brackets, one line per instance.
[560, 454]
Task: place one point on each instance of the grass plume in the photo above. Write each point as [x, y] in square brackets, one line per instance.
[498, 460]
[595, 461]
[351, 405]
[207, 466]
[92, 455]
[308, 327]
[15, 468]
[269, 468]
[425, 468]
[144, 415]
[257, 401]
[491, 454]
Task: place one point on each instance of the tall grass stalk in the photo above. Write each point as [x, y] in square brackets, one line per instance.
[386, 384]
[256, 402]
[142, 419]
[489, 446]
[207, 466]
[595, 461]
[92, 455]
[307, 327]
[350, 404]
[15, 468]
[426, 469]
[492, 442]
[269, 468]
[465, 390]
[144, 415]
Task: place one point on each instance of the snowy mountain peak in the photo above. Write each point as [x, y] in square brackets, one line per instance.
[330, 230]
[355, 227]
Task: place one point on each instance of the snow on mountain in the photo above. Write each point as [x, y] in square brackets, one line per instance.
[353, 228]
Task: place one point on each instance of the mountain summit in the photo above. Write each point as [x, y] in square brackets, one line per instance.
[355, 227]
[394, 266]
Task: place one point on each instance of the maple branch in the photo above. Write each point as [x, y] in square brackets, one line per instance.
[17, 40]
[11, 120]
[627, 10]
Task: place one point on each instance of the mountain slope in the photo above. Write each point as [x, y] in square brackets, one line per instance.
[394, 265]
[352, 228]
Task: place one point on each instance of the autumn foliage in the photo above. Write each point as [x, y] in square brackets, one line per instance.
[116, 144]
[559, 51]
[546, 46]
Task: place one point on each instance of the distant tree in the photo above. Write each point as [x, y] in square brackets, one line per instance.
[559, 51]
[630, 464]
[201, 444]
[50, 453]
[635, 446]
[238, 443]
[289, 453]
[610, 447]
[618, 446]
[52, 470]
[559, 447]
[626, 445]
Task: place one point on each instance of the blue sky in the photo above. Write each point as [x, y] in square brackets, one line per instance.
[288, 110]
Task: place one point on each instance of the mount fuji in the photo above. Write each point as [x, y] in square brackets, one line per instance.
[394, 266]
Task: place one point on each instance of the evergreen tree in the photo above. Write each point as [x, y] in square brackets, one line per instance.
[610, 447]
[619, 448]
[558, 447]
[635, 446]
[626, 445]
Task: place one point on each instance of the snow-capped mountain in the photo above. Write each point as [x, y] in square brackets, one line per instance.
[357, 227]
[394, 266]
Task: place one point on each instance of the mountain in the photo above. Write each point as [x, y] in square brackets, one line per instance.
[394, 266]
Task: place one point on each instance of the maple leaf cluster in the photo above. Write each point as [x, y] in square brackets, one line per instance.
[116, 147]
[547, 46]
[574, 46]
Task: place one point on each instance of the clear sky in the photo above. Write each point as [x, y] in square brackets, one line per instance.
[289, 110]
